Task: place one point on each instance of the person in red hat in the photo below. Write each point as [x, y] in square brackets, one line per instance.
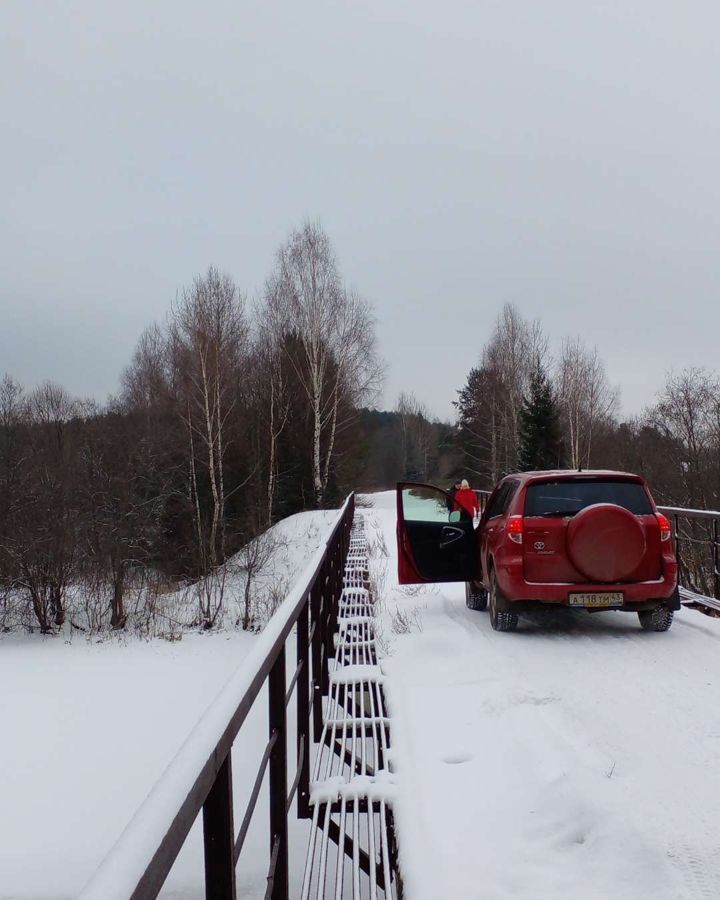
[467, 499]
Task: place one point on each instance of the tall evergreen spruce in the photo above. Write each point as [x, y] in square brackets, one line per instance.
[540, 437]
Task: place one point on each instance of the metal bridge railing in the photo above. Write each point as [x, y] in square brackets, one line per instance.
[200, 776]
[696, 533]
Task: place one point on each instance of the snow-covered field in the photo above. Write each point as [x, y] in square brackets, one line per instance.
[570, 760]
[88, 727]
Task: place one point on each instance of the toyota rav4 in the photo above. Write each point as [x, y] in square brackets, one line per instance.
[590, 540]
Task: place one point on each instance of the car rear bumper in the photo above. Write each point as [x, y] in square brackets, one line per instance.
[637, 596]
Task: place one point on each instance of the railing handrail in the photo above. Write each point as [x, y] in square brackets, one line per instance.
[138, 863]
[689, 513]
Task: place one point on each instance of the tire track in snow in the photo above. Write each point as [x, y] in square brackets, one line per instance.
[697, 869]
[594, 754]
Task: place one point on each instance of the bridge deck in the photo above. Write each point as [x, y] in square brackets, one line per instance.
[351, 847]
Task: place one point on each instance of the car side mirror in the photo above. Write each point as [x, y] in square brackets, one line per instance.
[454, 516]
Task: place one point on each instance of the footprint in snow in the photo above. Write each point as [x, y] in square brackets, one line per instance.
[455, 759]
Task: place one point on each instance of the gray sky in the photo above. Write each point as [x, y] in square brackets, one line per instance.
[562, 155]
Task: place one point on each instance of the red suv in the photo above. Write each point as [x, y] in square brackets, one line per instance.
[591, 540]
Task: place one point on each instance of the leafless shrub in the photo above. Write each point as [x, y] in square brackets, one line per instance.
[378, 582]
[265, 602]
[378, 546]
[89, 605]
[252, 562]
[12, 609]
[210, 594]
[412, 590]
[404, 621]
[381, 640]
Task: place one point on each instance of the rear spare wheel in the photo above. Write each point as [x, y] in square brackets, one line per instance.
[605, 543]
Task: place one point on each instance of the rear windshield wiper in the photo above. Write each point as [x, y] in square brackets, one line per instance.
[559, 512]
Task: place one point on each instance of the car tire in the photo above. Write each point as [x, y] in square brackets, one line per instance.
[659, 619]
[500, 619]
[475, 596]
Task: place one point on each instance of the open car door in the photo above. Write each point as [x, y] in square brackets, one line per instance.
[435, 537]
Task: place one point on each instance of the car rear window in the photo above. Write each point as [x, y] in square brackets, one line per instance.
[569, 497]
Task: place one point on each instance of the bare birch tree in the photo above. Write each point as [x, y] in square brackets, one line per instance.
[208, 338]
[338, 366]
[273, 399]
[489, 405]
[586, 398]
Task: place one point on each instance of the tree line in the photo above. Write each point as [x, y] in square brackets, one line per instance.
[521, 408]
[230, 415]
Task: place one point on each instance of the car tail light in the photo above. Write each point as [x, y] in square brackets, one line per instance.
[515, 529]
[665, 528]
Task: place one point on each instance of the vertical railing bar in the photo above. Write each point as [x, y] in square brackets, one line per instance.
[716, 559]
[316, 655]
[277, 715]
[303, 713]
[677, 545]
[327, 636]
[219, 836]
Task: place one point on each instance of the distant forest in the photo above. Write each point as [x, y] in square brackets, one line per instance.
[232, 415]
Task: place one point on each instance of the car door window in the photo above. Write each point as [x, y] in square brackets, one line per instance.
[512, 486]
[502, 499]
[425, 504]
[498, 503]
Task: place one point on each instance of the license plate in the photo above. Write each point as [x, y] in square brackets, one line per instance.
[608, 598]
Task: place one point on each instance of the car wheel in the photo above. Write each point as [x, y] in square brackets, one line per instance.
[501, 620]
[659, 619]
[475, 596]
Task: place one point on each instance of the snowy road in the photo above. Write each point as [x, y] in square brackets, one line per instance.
[573, 759]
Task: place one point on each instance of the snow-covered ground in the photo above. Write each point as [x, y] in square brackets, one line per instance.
[88, 726]
[576, 759]
[573, 759]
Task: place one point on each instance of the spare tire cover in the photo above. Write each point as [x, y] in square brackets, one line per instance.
[605, 542]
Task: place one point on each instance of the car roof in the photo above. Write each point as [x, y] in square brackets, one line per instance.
[574, 475]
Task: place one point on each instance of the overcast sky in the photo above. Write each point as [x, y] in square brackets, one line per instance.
[563, 155]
